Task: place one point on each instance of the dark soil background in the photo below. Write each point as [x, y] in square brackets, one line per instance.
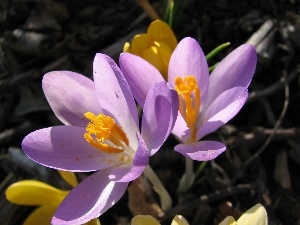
[262, 161]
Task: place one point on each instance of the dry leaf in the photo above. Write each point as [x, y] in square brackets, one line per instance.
[141, 200]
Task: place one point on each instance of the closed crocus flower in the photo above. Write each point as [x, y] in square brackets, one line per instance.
[257, 215]
[46, 197]
[206, 102]
[101, 133]
[149, 220]
[155, 46]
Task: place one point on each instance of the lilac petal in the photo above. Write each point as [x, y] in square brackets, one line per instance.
[188, 59]
[234, 70]
[140, 161]
[223, 109]
[140, 75]
[70, 95]
[90, 199]
[159, 115]
[202, 150]
[115, 96]
[180, 130]
[64, 148]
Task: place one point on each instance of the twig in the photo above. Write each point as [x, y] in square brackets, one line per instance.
[14, 81]
[148, 8]
[18, 158]
[10, 135]
[259, 134]
[278, 122]
[255, 95]
[209, 198]
[55, 48]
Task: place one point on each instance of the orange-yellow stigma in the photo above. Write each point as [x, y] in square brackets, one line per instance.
[103, 133]
[189, 101]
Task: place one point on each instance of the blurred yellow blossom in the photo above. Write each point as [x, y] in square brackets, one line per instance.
[149, 220]
[156, 46]
[257, 215]
[37, 193]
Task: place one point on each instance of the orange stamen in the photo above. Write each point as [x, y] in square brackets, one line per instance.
[189, 101]
[103, 133]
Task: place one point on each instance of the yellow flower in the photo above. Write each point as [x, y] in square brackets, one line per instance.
[36, 193]
[257, 215]
[156, 46]
[149, 220]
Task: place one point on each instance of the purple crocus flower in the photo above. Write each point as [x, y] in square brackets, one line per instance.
[101, 133]
[206, 101]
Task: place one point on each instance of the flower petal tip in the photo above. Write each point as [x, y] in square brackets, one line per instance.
[202, 150]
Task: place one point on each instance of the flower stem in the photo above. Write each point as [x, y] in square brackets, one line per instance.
[189, 172]
[165, 198]
[188, 178]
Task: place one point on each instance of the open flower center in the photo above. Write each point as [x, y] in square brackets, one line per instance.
[189, 101]
[103, 133]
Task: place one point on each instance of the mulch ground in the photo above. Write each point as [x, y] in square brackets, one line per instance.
[262, 161]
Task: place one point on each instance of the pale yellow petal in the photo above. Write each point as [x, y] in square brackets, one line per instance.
[139, 43]
[164, 52]
[42, 215]
[93, 222]
[126, 47]
[229, 220]
[69, 177]
[31, 192]
[160, 31]
[179, 220]
[152, 56]
[156, 46]
[257, 215]
[144, 220]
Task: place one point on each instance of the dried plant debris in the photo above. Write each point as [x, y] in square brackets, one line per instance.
[262, 160]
